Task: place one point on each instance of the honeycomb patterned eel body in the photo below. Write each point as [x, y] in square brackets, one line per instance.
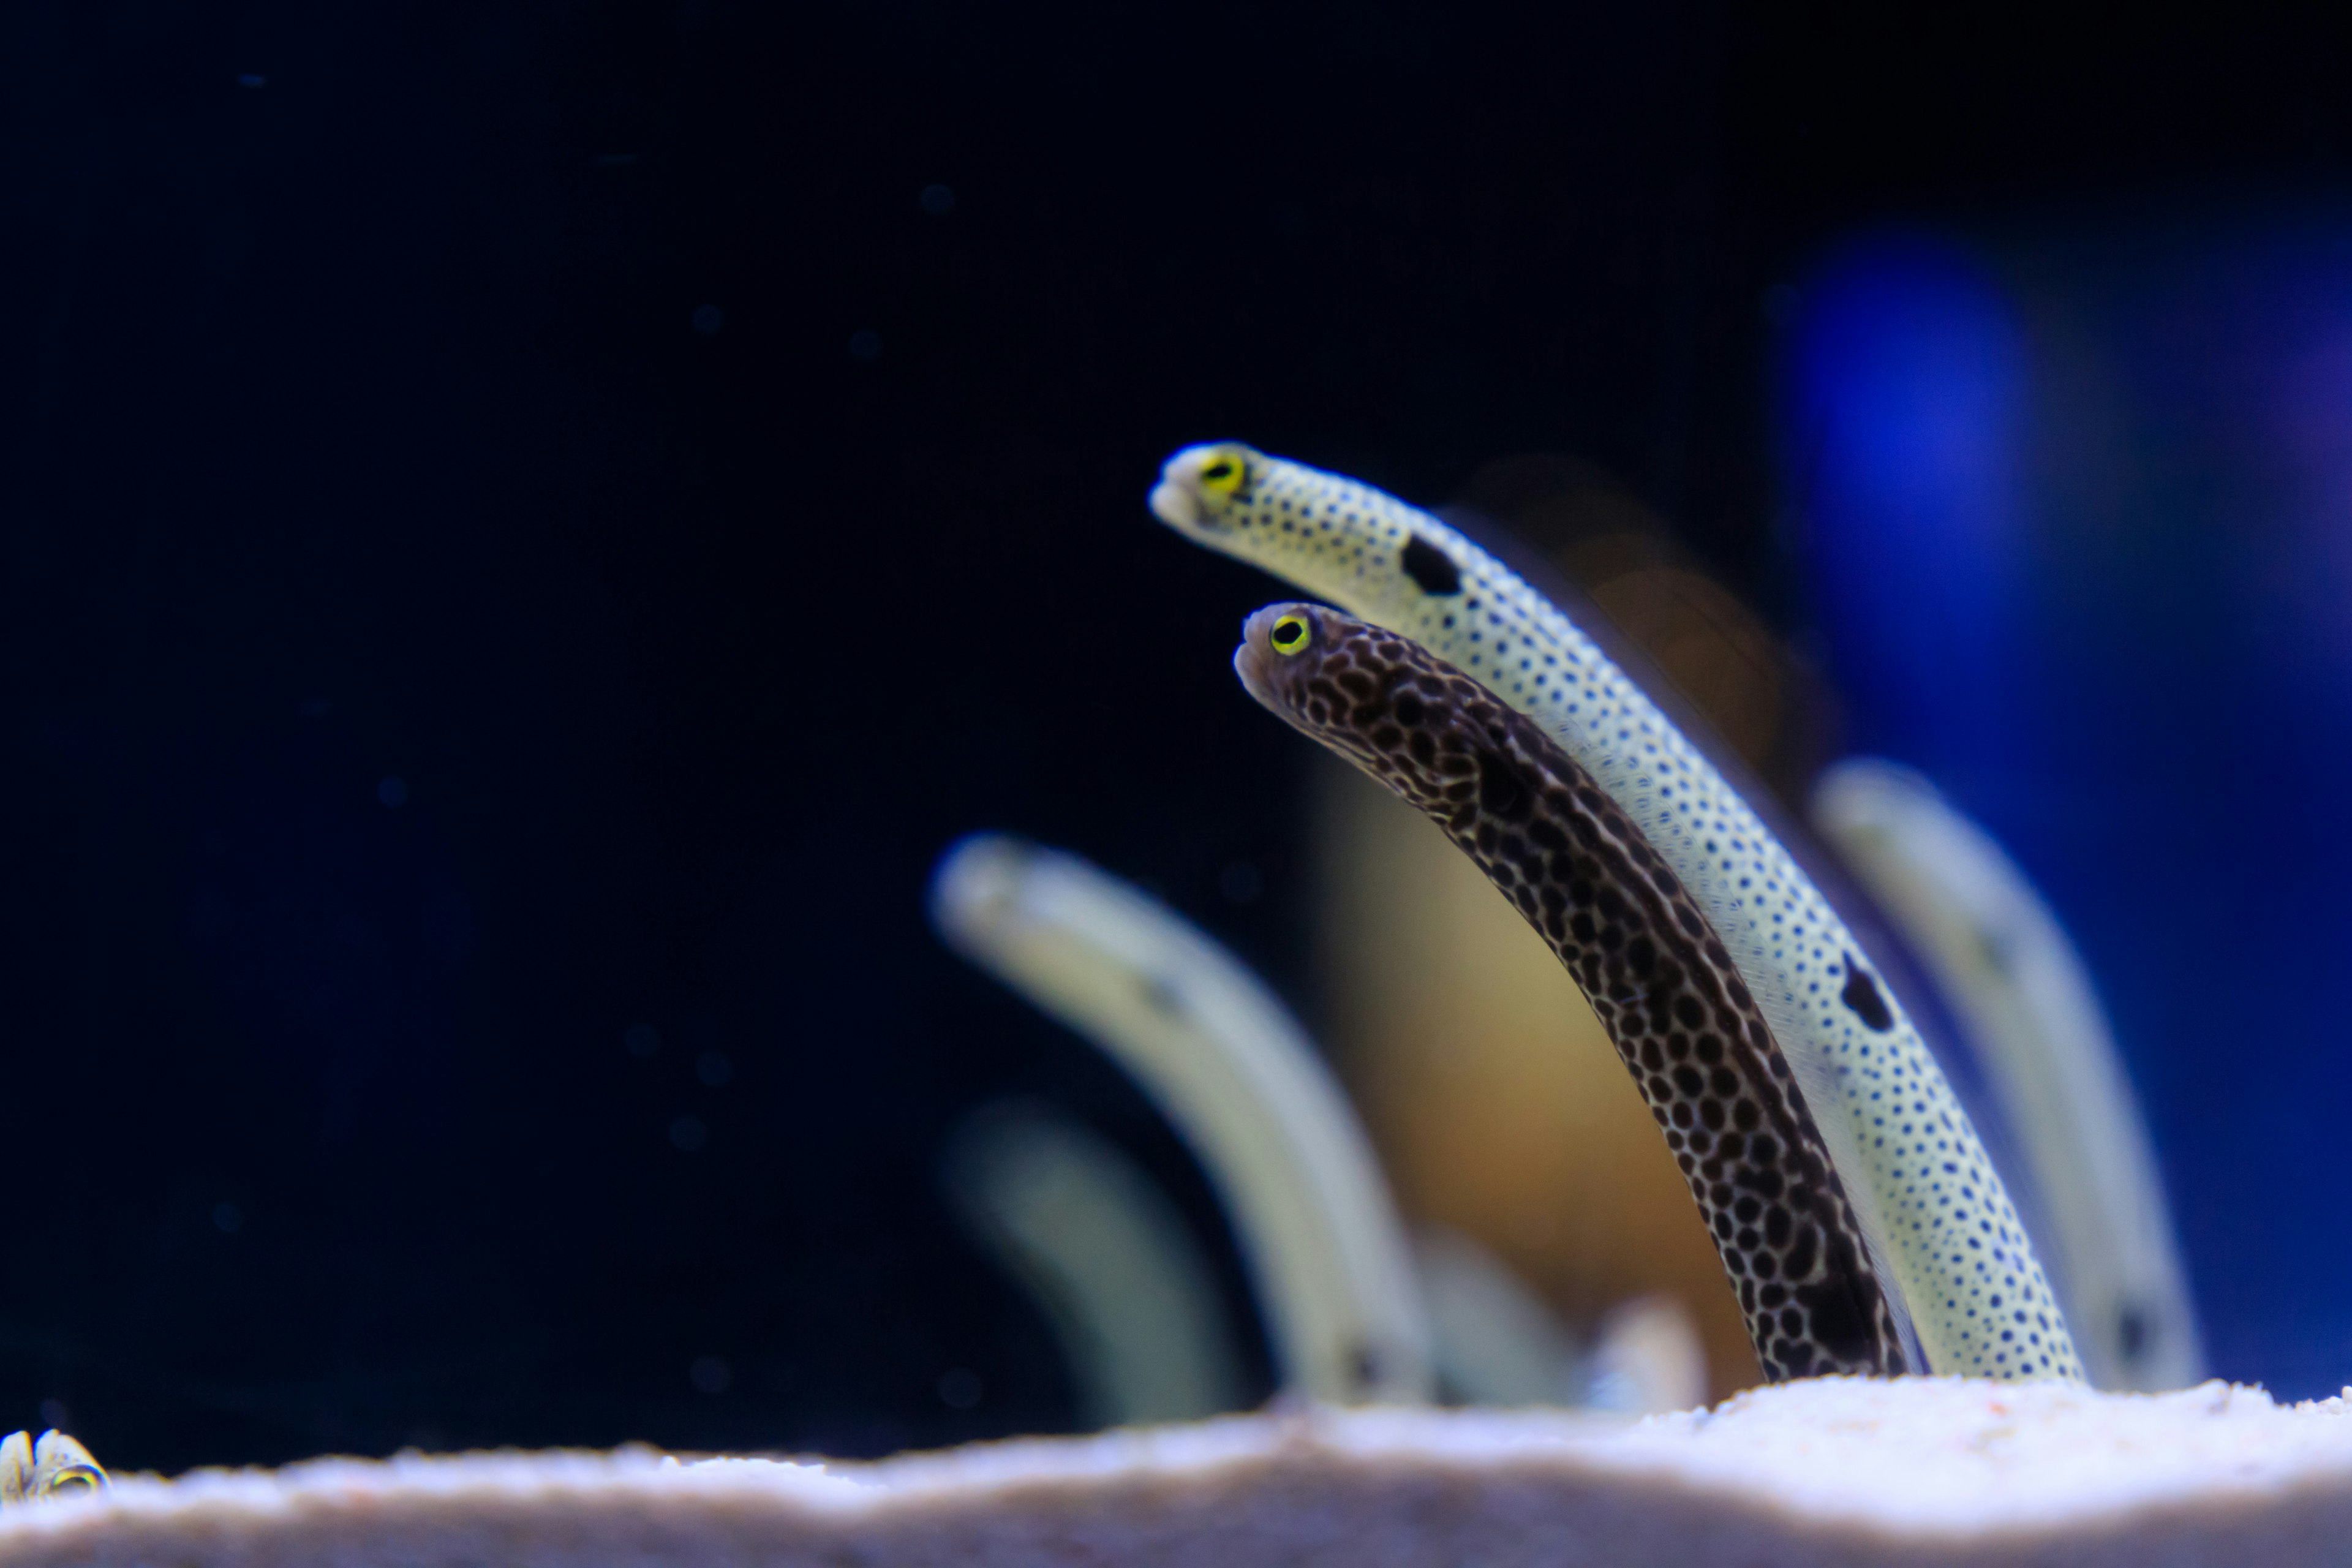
[1663, 986]
[1962, 1283]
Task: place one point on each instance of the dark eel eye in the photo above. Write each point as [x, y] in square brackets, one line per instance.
[1291, 634]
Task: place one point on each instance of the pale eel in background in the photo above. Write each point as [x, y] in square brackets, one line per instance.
[1647, 1359]
[1499, 1346]
[1495, 1342]
[2024, 999]
[1133, 1300]
[1238, 1080]
[1914, 1178]
[1717, 1081]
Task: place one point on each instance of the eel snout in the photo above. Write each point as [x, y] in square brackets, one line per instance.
[1255, 659]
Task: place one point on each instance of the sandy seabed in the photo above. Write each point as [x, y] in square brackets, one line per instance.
[1825, 1473]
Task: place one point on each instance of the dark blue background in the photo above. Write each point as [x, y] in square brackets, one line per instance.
[464, 396]
[2075, 493]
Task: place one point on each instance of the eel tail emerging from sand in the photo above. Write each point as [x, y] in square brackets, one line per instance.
[1681, 1016]
[2025, 1001]
[1914, 1173]
[1239, 1081]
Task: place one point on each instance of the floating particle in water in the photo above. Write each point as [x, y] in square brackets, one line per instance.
[314, 708]
[1241, 883]
[710, 1374]
[936, 200]
[713, 1067]
[708, 319]
[55, 1414]
[228, 1218]
[641, 1039]
[689, 1134]
[392, 789]
[247, 78]
[865, 345]
[959, 1388]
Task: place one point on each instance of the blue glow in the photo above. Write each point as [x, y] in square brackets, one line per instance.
[1905, 393]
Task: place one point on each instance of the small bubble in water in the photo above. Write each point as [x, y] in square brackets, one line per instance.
[1241, 883]
[710, 1374]
[641, 1039]
[959, 1388]
[936, 200]
[228, 1218]
[713, 1067]
[689, 1133]
[865, 345]
[708, 319]
[392, 789]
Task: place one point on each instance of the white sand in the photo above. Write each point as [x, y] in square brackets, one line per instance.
[1828, 1473]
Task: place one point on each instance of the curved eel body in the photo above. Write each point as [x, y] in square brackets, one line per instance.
[1239, 1081]
[1104, 1253]
[1680, 1018]
[1917, 1176]
[2026, 1004]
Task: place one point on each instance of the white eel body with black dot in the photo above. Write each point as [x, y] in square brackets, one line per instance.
[1941, 1226]
[2024, 997]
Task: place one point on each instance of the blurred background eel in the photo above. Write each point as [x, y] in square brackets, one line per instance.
[1237, 1078]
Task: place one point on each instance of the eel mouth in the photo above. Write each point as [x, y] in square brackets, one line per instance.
[979, 883]
[1253, 661]
[1180, 500]
[1174, 502]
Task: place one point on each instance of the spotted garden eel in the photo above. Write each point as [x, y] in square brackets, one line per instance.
[1684, 1021]
[2024, 999]
[1239, 1081]
[1964, 1292]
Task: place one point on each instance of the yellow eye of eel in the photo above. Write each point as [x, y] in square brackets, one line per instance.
[1223, 476]
[1291, 634]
